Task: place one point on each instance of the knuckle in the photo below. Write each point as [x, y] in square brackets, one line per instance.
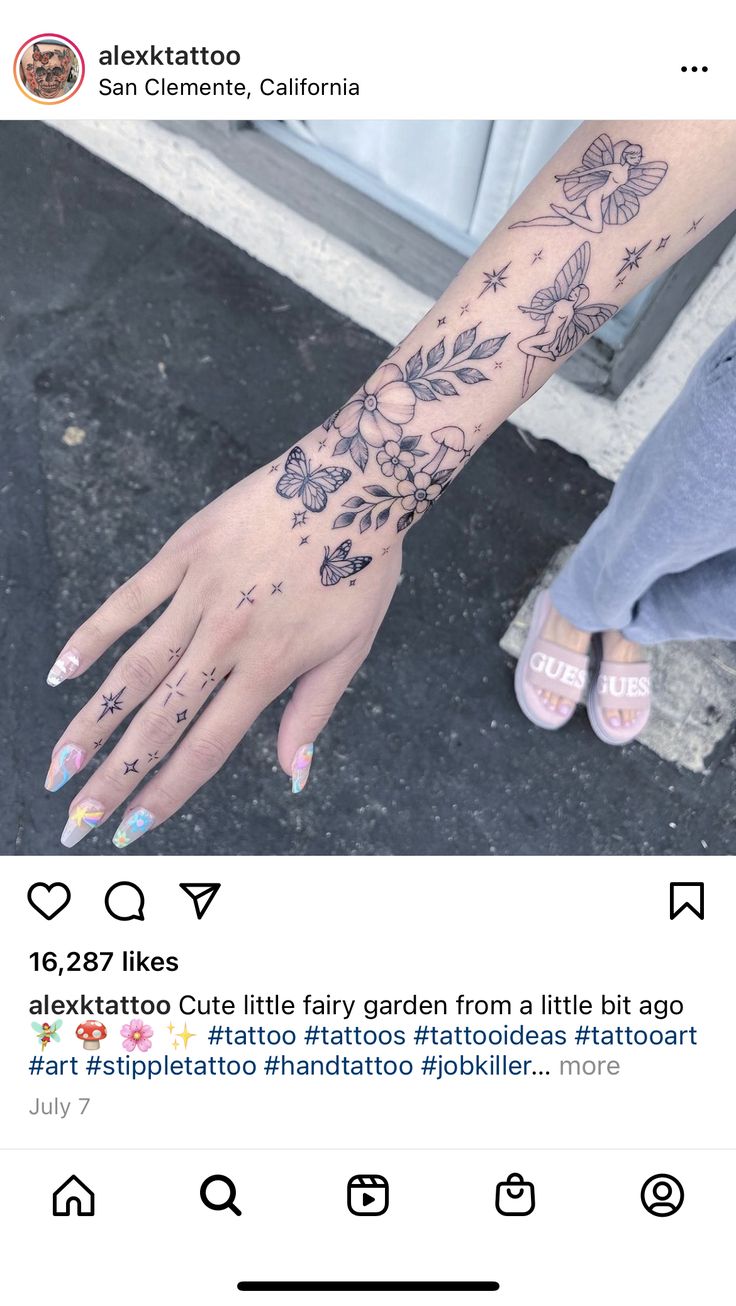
[139, 671]
[130, 596]
[158, 727]
[207, 754]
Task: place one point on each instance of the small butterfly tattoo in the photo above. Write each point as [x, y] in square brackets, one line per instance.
[312, 487]
[337, 565]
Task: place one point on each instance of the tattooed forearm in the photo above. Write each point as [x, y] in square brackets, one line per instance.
[606, 188]
[406, 434]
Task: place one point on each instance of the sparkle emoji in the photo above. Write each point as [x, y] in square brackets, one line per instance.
[185, 1035]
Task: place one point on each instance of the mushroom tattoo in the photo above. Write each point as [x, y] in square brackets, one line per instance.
[448, 437]
[91, 1032]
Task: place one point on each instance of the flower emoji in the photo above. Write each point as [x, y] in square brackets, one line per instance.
[393, 460]
[381, 409]
[136, 1036]
[417, 495]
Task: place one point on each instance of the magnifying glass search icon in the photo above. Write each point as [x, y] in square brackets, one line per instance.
[226, 1204]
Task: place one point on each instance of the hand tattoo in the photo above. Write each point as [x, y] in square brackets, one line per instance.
[336, 565]
[311, 486]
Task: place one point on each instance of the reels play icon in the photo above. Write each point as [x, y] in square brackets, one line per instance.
[368, 1194]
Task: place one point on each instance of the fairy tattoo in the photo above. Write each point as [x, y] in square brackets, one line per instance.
[606, 188]
[565, 315]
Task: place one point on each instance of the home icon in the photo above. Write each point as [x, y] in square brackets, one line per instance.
[74, 1195]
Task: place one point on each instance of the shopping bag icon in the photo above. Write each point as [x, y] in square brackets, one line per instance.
[514, 1196]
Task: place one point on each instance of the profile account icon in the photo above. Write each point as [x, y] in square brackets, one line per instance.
[662, 1195]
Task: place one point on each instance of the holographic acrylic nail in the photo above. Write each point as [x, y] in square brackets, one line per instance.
[64, 666]
[132, 827]
[84, 816]
[67, 762]
[300, 767]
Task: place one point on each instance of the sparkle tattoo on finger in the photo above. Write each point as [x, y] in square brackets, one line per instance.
[181, 716]
[131, 766]
[209, 677]
[246, 598]
[174, 689]
[111, 703]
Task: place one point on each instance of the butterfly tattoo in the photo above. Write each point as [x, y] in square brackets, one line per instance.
[312, 487]
[337, 565]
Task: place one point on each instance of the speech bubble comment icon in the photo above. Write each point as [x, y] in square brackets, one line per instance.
[124, 901]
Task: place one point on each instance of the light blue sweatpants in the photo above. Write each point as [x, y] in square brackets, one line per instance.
[660, 561]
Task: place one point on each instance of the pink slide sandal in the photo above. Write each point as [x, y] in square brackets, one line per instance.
[620, 686]
[544, 665]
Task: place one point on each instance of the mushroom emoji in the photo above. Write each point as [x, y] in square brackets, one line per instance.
[91, 1031]
[448, 437]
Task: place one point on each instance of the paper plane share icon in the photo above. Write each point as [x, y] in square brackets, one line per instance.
[201, 895]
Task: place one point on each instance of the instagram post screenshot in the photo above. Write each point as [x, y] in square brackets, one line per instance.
[368, 559]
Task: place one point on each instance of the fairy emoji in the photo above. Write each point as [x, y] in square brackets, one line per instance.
[605, 189]
[45, 1033]
[565, 322]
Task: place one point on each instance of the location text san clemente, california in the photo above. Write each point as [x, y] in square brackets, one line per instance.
[201, 56]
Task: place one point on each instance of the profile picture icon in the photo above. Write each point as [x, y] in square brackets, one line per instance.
[662, 1195]
[49, 68]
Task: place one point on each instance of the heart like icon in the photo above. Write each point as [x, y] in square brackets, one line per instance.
[49, 899]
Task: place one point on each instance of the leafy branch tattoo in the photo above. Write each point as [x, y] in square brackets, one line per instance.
[565, 315]
[387, 403]
[605, 189]
[414, 488]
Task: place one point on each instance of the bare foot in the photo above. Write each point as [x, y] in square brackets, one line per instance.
[618, 649]
[561, 631]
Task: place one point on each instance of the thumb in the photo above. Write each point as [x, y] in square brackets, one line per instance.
[310, 708]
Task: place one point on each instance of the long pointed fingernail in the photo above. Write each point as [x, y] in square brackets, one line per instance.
[300, 767]
[65, 665]
[84, 816]
[67, 762]
[133, 826]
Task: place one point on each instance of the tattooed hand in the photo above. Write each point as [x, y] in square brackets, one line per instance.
[262, 594]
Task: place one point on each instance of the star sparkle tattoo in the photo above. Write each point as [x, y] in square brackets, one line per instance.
[208, 677]
[694, 225]
[174, 689]
[566, 316]
[662, 243]
[246, 598]
[441, 321]
[97, 744]
[152, 757]
[298, 519]
[174, 653]
[495, 280]
[632, 258]
[276, 588]
[131, 766]
[537, 256]
[181, 716]
[304, 540]
[464, 308]
[111, 703]
[605, 189]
